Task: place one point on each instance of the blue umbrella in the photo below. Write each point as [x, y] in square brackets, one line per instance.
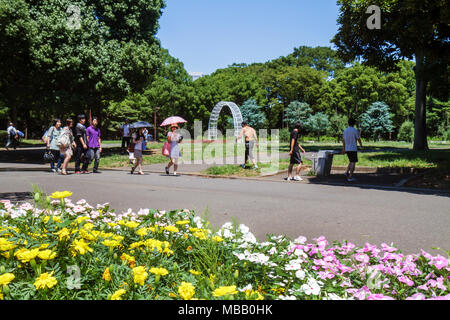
[141, 124]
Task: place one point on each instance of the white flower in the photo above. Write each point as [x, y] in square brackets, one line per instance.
[243, 228]
[300, 274]
[273, 251]
[246, 288]
[312, 287]
[287, 298]
[300, 240]
[249, 237]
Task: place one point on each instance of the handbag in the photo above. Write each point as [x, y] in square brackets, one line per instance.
[48, 156]
[166, 149]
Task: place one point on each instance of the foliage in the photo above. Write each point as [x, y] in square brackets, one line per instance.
[252, 114]
[406, 132]
[297, 112]
[338, 123]
[318, 124]
[74, 251]
[376, 121]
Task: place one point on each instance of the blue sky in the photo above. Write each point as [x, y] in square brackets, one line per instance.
[210, 34]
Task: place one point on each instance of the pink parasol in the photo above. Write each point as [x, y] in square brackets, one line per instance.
[172, 120]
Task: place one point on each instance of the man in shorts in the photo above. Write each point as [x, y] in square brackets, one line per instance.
[350, 138]
[251, 140]
[296, 158]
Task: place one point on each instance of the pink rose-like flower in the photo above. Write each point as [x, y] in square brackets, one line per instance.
[379, 296]
[416, 296]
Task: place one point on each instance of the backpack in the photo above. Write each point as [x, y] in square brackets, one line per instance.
[63, 140]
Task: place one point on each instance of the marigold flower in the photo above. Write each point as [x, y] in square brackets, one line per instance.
[172, 229]
[222, 291]
[6, 278]
[118, 294]
[183, 222]
[217, 239]
[159, 271]
[81, 246]
[63, 234]
[25, 255]
[111, 243]
[45, 280]
[107, 275]
[186, 290]
[60, 195]
[195, 273]
[132, 224]
[46, 254]
[140, 275]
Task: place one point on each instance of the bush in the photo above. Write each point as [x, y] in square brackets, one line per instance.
[285, 135]
[447, 135]
[406, 132]
[3, 136]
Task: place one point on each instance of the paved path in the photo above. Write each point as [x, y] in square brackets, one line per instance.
[411, 221]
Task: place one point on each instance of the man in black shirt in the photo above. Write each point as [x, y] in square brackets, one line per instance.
[294, 152]
[81, 142]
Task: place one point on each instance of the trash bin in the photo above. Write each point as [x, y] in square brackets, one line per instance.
[322, 162]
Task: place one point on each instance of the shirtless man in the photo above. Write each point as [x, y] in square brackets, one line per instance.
[250, 140]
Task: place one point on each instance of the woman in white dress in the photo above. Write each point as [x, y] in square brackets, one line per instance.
[174, 139]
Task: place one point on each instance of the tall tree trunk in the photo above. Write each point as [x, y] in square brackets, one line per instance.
[420, 123]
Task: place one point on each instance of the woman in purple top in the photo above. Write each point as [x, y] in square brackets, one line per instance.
[93, 135]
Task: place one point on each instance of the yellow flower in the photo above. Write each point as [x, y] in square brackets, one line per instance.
[142, 232]
[60, 195]
[201, 234]
[195, 273]
[186, 290]
[168, 252]
[172, 229]
[111, 243]
[45, 280]
[1, 296]
[140, 275]
[25, 255]
[63, 234]
[183, 222]
[79, 220]
[6, 245]
[159, 271]
[189, 248]
[118, 294]
[217, 239]
[81, 246]
[6, 278]
[107, 275]
[46, 254]
[132, 224]
[253, 295]
[222, 291]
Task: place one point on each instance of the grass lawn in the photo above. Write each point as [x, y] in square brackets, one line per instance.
[238, 171]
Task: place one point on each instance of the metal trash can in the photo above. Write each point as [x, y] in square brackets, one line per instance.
[322, 162]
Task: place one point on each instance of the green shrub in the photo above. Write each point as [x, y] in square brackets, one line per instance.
[3, 136]
[447, 135]
[406, 132]
[285, 135]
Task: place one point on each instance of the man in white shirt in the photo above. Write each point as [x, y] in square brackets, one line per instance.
[12, 136]
[350, 138]
[126, 137]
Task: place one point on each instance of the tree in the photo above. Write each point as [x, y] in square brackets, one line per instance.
[298, 112]
[406, 132]
[376, 121]
[253, 114]
[49, 63]
[410, 29]
[338, 123]
[317, 124]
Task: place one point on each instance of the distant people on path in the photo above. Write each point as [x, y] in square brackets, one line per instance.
[296, 157]
[94, 142]
[350, 138]
[52, 136]
[126, 135]
[81, 145]
[137, 139]
[65, 143]
[130, 149]
[250, 141]
[13, 137]
[174, 139]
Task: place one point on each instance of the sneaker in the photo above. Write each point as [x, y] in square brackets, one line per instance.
[243, 166]
[351, 180]
[85, 172]
[167, 171]
[298, 178]
[288, 179]
[58, 170]
[77, 172]
[96, 171]
[53, 170]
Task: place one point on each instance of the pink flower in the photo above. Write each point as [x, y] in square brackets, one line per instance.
[416, 296]
[387, 248]
[439, 262]
[423, 287]
[426, 255]
[447, 297]
[406, 280]
[379, 296]
[301, 240]
[363, 258]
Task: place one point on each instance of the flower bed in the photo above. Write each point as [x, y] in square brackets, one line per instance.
[72, 250]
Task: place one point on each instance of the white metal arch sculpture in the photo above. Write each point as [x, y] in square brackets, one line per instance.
[237, 118]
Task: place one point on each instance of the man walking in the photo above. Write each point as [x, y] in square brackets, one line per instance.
[126, 137]
[350, 138]
[250, 140]
[296, 158]
[94, 140]
[81, 145]
[12, 136]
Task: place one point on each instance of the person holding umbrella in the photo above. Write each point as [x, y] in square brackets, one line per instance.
[137, 139]
[174, 139]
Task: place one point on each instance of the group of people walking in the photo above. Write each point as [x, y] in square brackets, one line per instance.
[64, 142]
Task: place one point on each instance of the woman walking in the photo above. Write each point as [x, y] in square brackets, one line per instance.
[52, 138]
[138, 139]
[174, 139]
[65, 143]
